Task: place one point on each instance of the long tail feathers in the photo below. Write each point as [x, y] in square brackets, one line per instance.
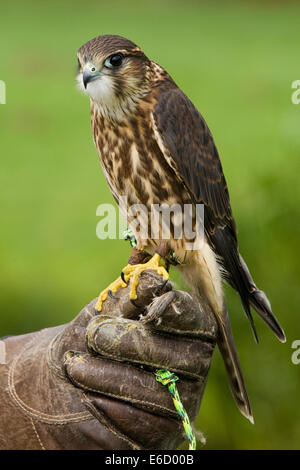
[238, 275]
[233, 367]
[259, 301]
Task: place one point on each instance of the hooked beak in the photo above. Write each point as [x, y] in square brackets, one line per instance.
[89, 76]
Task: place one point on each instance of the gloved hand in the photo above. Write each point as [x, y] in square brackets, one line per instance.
[91, 384]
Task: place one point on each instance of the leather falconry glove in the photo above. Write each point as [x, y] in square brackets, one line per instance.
[91, 384]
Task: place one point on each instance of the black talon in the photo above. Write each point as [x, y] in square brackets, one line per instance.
[135, 304]
[160, 288]
[123, 277]
[162, 285]
[112, 296]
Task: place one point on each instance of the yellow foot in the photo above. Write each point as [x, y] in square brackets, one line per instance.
[112, 288]
[133, 271]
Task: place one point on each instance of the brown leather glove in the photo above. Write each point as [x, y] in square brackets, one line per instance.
[91, 384]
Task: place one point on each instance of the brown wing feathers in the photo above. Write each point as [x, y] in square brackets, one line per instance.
[187, 138]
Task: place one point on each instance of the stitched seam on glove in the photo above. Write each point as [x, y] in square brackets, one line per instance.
[50, 361]
[106, 422]
[43, 417]
[37, 434]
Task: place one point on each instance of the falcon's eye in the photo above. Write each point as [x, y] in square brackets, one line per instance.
[114, 60]
[78, 65]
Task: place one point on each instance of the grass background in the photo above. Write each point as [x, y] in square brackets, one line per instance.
[236, 61]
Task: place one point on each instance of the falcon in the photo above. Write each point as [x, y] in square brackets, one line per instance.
[155, 148]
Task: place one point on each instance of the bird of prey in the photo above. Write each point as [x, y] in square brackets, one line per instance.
[155, 147]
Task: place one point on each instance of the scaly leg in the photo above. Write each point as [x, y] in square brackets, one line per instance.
[137, 257]
[134, 271]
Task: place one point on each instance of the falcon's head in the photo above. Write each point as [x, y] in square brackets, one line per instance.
[114, 72]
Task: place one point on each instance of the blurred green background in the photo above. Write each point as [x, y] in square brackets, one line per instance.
[236, 61]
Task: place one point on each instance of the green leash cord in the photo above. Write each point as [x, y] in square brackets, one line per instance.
[165, 377]
[128, 235]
